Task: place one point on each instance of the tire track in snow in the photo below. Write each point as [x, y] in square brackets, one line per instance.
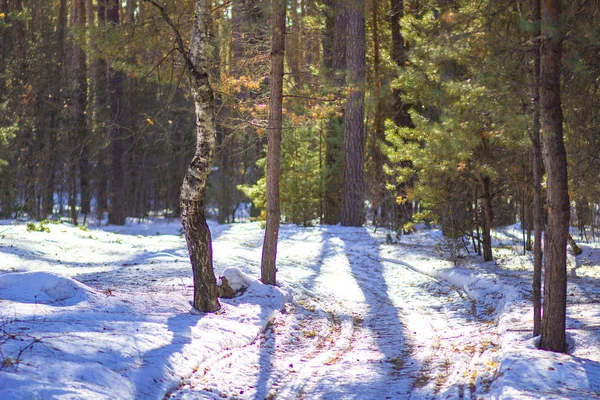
[449, 361]
[296, 342]
[424, 351]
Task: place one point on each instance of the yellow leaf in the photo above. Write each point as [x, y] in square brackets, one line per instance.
[149, 121]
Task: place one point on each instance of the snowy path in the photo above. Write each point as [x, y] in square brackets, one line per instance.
[360, 326]
[105, 314]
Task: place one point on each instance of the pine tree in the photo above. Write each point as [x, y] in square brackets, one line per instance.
[555, 161]
[269, 254]
[353, 190]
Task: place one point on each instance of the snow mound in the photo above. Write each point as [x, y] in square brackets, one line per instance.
[237, 279]
[41, 287]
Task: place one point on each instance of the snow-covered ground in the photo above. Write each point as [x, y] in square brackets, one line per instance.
[105, 313]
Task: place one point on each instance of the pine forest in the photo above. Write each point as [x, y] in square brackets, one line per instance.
[299, 199]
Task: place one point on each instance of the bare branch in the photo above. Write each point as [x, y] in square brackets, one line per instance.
[180, 46]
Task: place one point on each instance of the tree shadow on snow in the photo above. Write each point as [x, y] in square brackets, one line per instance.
[267, 347]
[380, 320]
[159, 361]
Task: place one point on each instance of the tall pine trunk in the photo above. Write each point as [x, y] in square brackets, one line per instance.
[401, 116]
[101, 104]
[488, 216]
[269, 255]
[555, 162]
[80, 123]
[537, 178]
[353, 190]
[116, 215]
[332, 204]
[378, 186]
[3, 47]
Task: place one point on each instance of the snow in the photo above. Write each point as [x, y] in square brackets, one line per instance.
[237, 279]
[105, 313]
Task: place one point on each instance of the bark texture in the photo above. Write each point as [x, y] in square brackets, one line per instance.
[333, 140]
[555, 162]
[81, 148]
[269, 254]
[3, 45]
[100, 100]
[353, 191]
[117, 171]
[378, 188]
[488, 217]
[537, 179]
[197, 233]
[401, 116]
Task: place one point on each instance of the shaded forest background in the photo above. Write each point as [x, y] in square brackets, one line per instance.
[96, 117]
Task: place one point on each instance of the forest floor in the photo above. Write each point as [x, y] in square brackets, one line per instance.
[105, 313]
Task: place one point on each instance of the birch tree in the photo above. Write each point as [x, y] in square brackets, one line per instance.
[193, 190]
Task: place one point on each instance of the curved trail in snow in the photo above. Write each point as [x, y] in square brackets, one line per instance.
[361, 325]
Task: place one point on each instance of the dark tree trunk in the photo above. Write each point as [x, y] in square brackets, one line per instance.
[353, 191]
[555, 162]
[101, 96]
[397, 12]
[134, 179]
[130, 16]
[116, 215]
[328, 37]
[3, 47]
[488, 217]
[268, 268]
[401, 116]
[379, 159]
[537, 179]
[48, 124]
[333, 140]
[225, 138]
[80, 126]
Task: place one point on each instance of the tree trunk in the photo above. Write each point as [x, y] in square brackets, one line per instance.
[378, 188]
[226, 171]
[3, 47]
[80, 128]
[576, 249]
[116, 215]
[555, 162]
[268, 268]
[101, 96]
[488, 217]
[130, 16]
[401, 116]
[328, 36]
[48, 124]
[193, 190]
[333, 140]
[537, 179]
[353, 191]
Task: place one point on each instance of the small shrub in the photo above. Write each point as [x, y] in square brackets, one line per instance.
[408, 228]
[450, 247]
[389, 239]
[41, 227]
